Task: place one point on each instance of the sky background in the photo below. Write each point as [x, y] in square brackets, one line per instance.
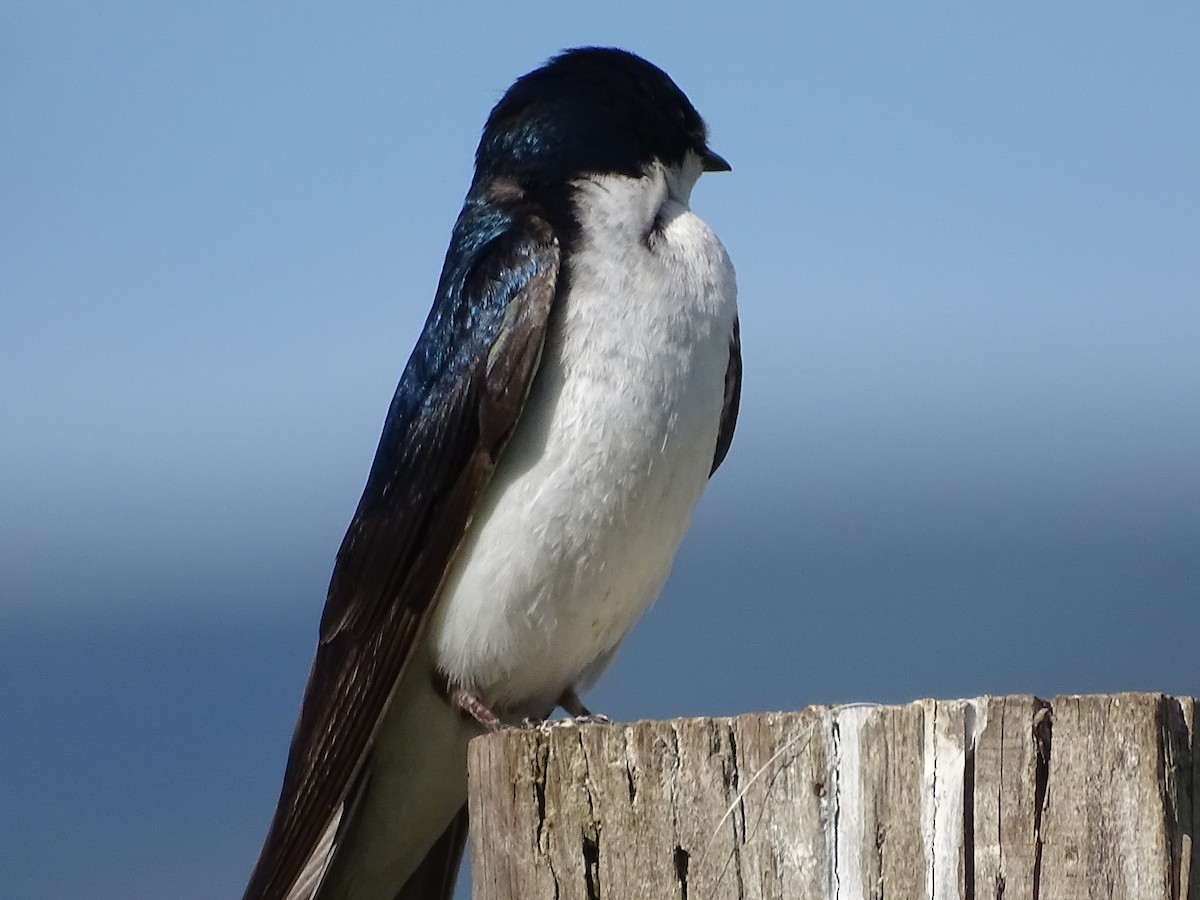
[968, 249]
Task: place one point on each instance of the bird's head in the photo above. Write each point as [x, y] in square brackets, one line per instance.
[589, 111]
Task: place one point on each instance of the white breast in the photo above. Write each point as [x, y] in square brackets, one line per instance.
[576, 533]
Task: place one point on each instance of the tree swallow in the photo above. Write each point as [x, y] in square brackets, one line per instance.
[575, 385]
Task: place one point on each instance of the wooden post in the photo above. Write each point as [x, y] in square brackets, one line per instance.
[996, 797]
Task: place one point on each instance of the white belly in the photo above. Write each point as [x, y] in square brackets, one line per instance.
[575, 535]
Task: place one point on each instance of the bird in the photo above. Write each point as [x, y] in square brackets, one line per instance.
[575, 385]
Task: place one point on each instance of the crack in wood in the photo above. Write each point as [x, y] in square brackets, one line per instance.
[591, 868]
[1043, 728]
[968, 802]
[681, 871]
[835, 735]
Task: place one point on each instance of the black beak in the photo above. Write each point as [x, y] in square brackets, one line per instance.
[714, 162]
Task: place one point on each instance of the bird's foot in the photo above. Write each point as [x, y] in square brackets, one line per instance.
[592, 719]
[464, 701]
[580, 714]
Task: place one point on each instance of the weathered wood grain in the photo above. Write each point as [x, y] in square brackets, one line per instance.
[1010, 761]
[999, 798]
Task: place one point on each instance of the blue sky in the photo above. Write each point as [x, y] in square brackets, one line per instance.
[968, 249]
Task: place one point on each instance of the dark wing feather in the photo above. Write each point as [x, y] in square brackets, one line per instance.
[458, 400]
[733, 397]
